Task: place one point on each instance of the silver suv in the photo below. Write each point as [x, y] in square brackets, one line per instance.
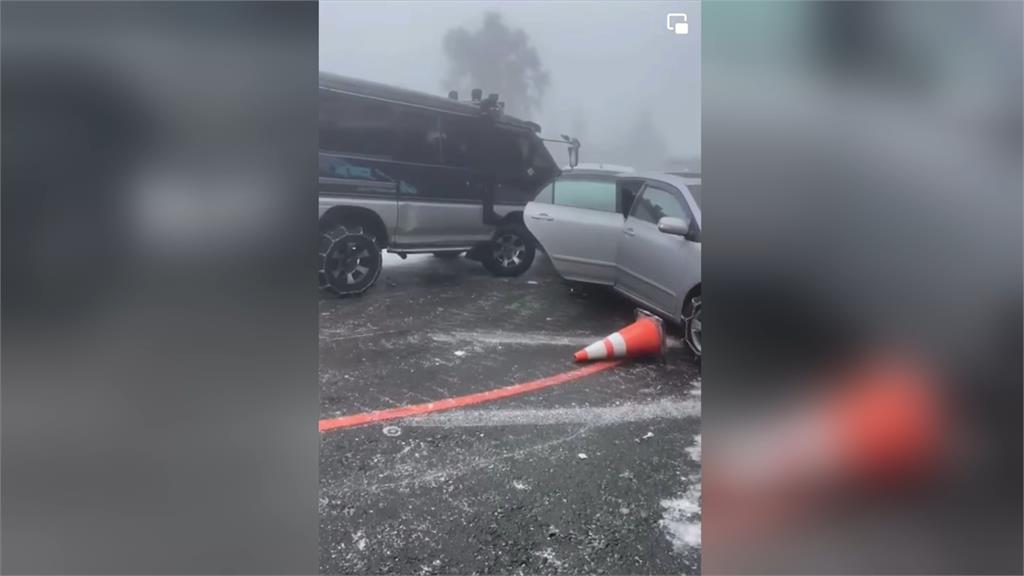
[416, 173]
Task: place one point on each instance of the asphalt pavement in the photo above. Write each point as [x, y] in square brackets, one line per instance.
[597, 475]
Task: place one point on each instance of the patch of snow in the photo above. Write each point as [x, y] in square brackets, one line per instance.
[360, 540]
[694, 451]
[590, 415]
[548, 555]
[681, 517]
[683, 534]
[498, 338]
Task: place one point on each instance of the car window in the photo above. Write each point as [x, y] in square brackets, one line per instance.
[505, 153]
[546, 195]
[357, 125]
[655, 204]
[590, 194]
[418, 137]
[458, 138]
[628, 190]
[338, 167]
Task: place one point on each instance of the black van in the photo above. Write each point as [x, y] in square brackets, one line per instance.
[416, 173]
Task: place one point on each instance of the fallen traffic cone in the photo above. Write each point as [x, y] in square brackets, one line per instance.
[645, 337]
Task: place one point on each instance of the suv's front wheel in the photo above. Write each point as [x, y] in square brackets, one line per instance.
[510, 252]
[350, 260]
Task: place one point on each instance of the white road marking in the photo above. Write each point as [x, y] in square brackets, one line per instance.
[590, 415]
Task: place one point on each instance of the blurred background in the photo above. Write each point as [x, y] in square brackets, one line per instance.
[862, 162]
[159, 225]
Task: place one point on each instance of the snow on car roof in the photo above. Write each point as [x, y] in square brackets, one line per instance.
[599, 167]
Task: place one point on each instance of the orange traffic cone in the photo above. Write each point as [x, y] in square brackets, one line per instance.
[645, 337]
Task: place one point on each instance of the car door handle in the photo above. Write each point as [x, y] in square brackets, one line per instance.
[542, 216]
[629, 231]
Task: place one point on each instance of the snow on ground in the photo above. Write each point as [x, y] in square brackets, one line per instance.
[590, 415]
[694, 451]
[681, 516]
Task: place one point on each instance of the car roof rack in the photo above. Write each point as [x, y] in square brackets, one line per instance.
[490, 106]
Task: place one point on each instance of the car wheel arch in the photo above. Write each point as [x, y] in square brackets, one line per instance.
[693, 291]
[372, 221]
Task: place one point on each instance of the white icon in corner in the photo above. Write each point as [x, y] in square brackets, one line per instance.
[678, 24]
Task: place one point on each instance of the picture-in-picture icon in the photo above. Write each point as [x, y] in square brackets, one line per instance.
[678, 24]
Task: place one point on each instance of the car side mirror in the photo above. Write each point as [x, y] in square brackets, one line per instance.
[674, 226]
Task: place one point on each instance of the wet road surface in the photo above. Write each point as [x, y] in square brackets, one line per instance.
[596, 475]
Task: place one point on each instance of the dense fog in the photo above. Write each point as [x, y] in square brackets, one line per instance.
[611, 74]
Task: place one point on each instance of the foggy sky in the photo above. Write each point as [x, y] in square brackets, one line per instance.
[610, 62]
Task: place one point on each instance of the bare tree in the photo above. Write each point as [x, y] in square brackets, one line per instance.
[496, 58]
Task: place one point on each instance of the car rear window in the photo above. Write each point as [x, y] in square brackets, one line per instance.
[589, 194]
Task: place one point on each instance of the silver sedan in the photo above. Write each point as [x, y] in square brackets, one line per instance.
[638, 232]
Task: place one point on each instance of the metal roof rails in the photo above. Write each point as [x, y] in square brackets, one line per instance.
[489, 106]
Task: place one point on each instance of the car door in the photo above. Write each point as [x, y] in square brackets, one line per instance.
[656, 268]
[437, 206]
[578, 223]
